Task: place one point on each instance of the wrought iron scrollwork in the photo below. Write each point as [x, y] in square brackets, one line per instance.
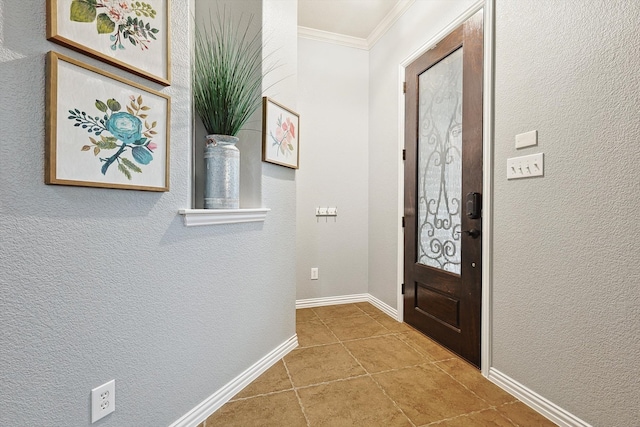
[440, 164]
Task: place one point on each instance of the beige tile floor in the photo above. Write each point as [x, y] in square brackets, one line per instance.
[356, 366]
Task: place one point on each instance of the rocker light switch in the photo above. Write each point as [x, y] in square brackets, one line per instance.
[527, 139]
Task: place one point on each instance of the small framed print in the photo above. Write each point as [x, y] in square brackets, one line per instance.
[104, 131]
[280, 134]
[132, 35]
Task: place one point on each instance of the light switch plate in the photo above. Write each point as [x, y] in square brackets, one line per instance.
[527, 139]
[525, 166]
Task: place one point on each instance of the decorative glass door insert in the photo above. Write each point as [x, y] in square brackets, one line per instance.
[440, 164]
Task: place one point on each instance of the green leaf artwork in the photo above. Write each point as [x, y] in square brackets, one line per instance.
[120, 19]
[104, 24]
[83, 10]
[127, 132]
[101, 106]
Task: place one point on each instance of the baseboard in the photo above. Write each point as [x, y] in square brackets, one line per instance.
[390, 311]
[348, 299]
[534, 400]
[223, 395]
[320, 302]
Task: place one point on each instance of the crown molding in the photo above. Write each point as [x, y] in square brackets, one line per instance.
[356, 42]
[326, 36]
[388, 21]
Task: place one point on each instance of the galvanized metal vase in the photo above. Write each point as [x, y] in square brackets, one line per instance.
[222, 172]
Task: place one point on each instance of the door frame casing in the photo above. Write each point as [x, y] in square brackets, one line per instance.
[487, 175]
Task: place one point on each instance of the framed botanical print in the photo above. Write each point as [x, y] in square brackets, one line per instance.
[103, 130]
[280, 134]
[132, 35]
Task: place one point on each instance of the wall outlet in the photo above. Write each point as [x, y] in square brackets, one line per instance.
[103, 400]
[314, 273]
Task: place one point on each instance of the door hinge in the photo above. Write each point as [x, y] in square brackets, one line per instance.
[402, 222]
[402, 289]
[404, 87]
[404, 154]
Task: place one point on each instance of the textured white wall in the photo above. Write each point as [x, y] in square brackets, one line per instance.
[422, 21]
[333, 104]
[566, 295]
[98, 284]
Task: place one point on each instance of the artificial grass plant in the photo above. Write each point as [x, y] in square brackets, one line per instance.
[226, 74]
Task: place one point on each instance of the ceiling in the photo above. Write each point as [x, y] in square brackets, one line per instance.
[353, 18]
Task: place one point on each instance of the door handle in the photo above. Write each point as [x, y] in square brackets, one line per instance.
[474, 233]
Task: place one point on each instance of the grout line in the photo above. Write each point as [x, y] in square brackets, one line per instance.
[318, 345]
[419, 352]
[397, 406]
[295, 390]
[355, 358]
[402, 337]
[368, 374]
[417, 365]
[349, 315]
[348, 340]
[436, 364]
[465, 415]
[271, 393]
[374, 336]
[505, 415]
[426, 354]
[303, 387]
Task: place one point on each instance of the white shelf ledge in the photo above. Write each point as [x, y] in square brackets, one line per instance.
[195, 217]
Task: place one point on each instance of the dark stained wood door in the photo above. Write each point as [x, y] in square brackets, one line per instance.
[443, 182]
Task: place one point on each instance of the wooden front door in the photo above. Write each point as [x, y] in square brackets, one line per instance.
[443, 182]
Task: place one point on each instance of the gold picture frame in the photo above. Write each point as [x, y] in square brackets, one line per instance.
[131, 35]
[280, 134]
[103, 130]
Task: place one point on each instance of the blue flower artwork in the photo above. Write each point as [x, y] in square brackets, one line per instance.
[127, 132]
